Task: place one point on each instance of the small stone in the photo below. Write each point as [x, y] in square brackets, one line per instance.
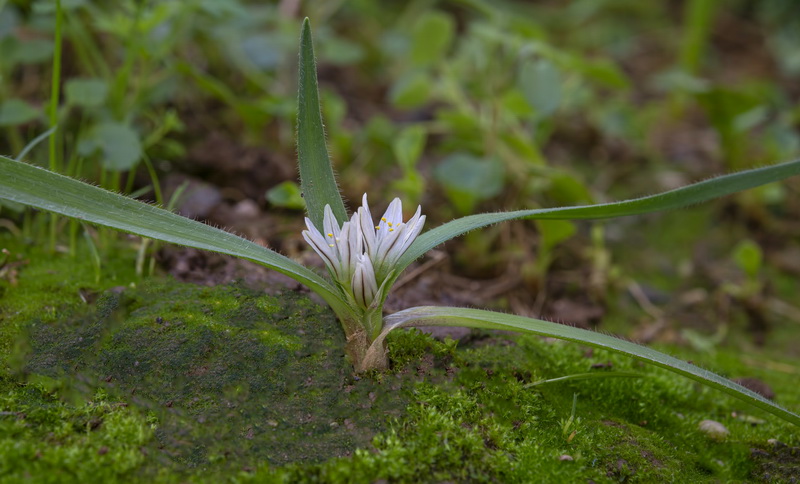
[776, 443]
[713, 429]
[566, 457]
[246, 209]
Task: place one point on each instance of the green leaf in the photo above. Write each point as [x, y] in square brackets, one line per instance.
[408, 145]
[431, 38]
[86, 93]
[340, 51]
[39, 188]
[567, 189]
[14, 112]
[680, 197]
[468, 180]
[553, 232]
[287, 195]
[118, 144]
[316, 174]
[475, 318]
[411, 90]
[540, 82]
[34, 51]
[748, 256]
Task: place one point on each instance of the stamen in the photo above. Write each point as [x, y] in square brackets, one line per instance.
[330, 235]
[330, 245]
[383, 219]
[391, 230]
[389, 224]
[377, 227]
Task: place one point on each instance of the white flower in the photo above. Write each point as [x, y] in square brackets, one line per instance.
[338, 247]
[388, 240]
[359, 254]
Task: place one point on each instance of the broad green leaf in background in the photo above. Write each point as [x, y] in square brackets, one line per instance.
[86, 93]
[48, 6]
[431, 38]
[316, 174]
[468, 180]
[553, 232]
[748, 257]
[119, 145]
[340, 51]
[408, 145]
[33, 51]
[475, 318]
[540, 82]
[287, 195]
[265, 51]
[14, 112]
[39, 188]
[411, 90]
[565, 189]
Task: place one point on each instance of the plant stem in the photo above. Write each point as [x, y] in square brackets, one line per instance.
[55, 90]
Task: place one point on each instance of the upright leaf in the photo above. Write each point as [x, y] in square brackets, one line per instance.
[316, 175]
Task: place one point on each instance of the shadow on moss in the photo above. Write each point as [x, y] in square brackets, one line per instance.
[231, 376]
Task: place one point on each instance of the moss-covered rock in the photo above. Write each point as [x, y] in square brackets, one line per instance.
[130, 380]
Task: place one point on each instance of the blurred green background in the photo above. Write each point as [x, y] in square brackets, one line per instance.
[461, 106]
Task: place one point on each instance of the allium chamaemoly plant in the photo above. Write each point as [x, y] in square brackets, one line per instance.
[364, 257]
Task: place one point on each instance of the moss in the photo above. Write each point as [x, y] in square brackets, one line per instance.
[170, 382]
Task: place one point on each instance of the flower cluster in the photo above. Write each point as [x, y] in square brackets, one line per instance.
[359, 254]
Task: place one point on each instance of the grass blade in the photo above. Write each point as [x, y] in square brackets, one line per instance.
[680, 197]
[39, 188]
[476, 318]
[586, 376]
[316, 175]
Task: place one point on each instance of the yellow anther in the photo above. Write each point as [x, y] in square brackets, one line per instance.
[383, 219]
[330, 245]
[389, 224]
[377, 227]
[330, 235]
[391, 230]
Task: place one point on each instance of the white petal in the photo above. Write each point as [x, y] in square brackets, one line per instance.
[387, 244]
[323, 250]
[330, 224]
[364, 284]
[410, 232]
[367, 225]
[343, 251]
[394, 214]
[320, 239]
[355, 240]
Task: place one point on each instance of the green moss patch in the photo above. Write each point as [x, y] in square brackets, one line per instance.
[224, 383]
[157, 381]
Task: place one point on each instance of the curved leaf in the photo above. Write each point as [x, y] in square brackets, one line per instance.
[37, 187]
[680, 197]
[316, 175]
[476, 318]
